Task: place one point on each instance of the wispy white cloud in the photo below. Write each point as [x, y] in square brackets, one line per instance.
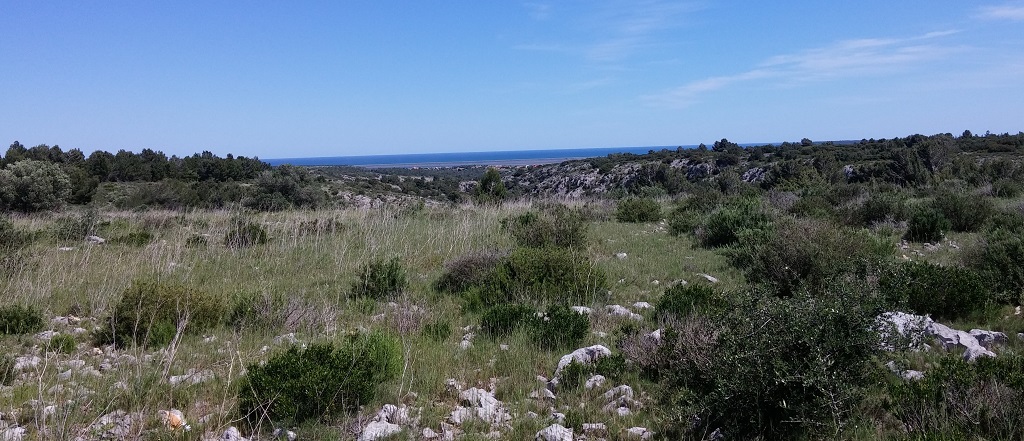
[848, 58]
[1004, 12]
[538, 11]
[615, 30]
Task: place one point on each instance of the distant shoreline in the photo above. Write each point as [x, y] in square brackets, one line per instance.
[463, 159]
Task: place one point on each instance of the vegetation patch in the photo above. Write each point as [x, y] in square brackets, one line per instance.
[152, 311]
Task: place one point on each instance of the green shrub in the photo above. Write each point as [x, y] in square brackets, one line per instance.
[963, 400]
[800, 364]
[197, 241]
[638, 210]
[555, 225]
[62, 343]
[682, 300]
[1000, 258]
[245, 235]
[926, 225]
[682, 221]
[134, 238]
[11, 238]
[965, 212]
[318, 382]
[1006, 188]
[18, 319]
[380, 278]
[806, 253]
[943, 292]
[500, 320]
[576, 374]
[560, 327]
[151, 310]
[74, 227]
[258, 311]
[468, 270]
[7, 374]
[30, 185]
[813, 205]
[438, 331]
[724, 226]
[543, 274]
[880, 207]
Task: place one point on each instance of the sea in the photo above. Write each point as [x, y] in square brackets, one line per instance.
[505, 158]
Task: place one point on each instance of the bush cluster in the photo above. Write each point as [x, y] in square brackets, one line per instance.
[319, 382]
[943, 292]
[1000, 259]
[807, 253]
[557, 328]
[18, 319]
[576, 374]
[554, 225]
[965, 212]
[7, 373]
[11, 238]
[638, 210]
[926, 224]
[725, 225]
[151, 310]
[380, 279]
[544, 274]
[245, 234]
[682, 300]
[957, 399]
[769, 367]
[468, 270]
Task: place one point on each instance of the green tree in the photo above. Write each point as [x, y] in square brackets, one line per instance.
[33, 186]
[491, 188]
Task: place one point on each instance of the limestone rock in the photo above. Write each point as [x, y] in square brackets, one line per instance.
[595, 381]
[622, 311]
[95, 240]
[587, 355]
[379, 429]
[639, 433]
[554, 432]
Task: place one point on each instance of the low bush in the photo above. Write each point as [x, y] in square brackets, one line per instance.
[197, 241]
[1007, 188]
[880, 207]
[544, 274]
[380, 278]
[683, 221]
[73, 228]
[468, 270]
[438, 331]
[257, 311]
[943, 292]
[500, 320]
[957, 399]
[62, 343]
[638, 210]
[965, 212]
[559, 327]
[999, 257]
[18, 319]
[724, 226]
[554, 225]
[134, 238]
[682, 300]
[800, 365]
[151, 311]
[11, 238]
[926, 225]
[245, 234]
[808, 254]
[576, 374]
[319, 382]
[7, 374]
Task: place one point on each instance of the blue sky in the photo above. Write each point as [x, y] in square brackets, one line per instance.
[292, 79]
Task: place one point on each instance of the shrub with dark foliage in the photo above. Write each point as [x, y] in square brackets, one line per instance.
[500, 320]
[18, 319]
[559, 328]
[151, 310]
[555, 225]
[380, 278]
[943, 292]
[638, 210]
[319, 382]
[926, 225]
[245, 234]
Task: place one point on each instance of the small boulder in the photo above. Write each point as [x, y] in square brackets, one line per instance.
[554, 432]
[587, 355]
[708, 277]
[95, 240]
[640, 433]
[379, 429]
